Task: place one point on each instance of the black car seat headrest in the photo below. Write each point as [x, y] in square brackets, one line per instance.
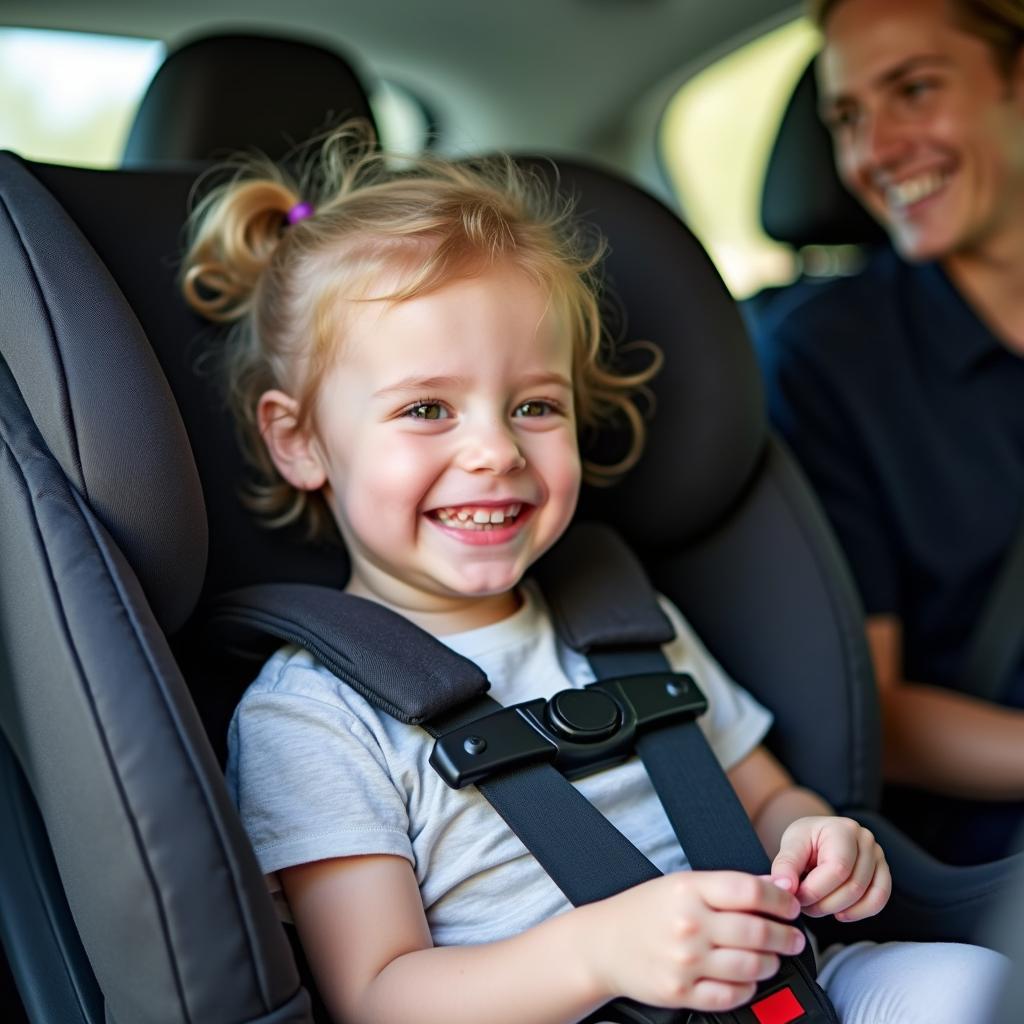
[225, 93]
[94, 388]
[708, 430]
[803, 201]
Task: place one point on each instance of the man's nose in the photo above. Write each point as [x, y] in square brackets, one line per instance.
[880, 143]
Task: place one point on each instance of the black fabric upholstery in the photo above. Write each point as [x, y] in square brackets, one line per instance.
[803, 201]
[108, 206]
[225, 93]
[95, 391]
[98, 717]
[663, 288]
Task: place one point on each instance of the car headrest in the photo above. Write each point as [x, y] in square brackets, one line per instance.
[221, 94]
[708, 430]
[803, 201]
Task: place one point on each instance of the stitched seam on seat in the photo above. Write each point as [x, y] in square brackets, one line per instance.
[229, 860]
[65, 393]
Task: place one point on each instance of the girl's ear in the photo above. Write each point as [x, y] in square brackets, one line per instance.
[291, 446]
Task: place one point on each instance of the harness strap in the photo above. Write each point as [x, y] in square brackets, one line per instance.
[587, 857]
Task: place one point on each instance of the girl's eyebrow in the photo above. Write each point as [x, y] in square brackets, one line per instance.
[420, 384]
[423, 385]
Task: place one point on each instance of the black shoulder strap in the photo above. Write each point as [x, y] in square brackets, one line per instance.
[591, 576]
[995, 646]
[399, 668]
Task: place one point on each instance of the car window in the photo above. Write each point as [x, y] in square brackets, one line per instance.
[70, 97]
[715, 140]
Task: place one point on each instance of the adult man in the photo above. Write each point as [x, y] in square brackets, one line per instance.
[901, 390]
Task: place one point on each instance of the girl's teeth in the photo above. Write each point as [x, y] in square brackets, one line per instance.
[480, 518]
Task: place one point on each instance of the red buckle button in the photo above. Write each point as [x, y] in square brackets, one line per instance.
[779, 1008]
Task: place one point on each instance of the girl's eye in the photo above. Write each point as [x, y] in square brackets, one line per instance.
[533, 408]
[427, 411]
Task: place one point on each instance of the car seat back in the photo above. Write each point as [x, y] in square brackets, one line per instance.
[108, 776]
[226, 93]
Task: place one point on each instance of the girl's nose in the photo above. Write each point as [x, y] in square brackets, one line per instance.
[492, 449]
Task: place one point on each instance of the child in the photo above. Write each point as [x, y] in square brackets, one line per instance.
[415, 353]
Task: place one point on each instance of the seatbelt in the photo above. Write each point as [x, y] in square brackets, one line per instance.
[995, 646]
[509, 752]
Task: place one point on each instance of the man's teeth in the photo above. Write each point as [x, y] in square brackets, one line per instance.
[470, 518]
[914, 189]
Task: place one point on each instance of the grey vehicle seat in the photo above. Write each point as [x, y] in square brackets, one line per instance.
[220, 94]
[129, 892]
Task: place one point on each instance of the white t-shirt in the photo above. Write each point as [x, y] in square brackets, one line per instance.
[317, 772]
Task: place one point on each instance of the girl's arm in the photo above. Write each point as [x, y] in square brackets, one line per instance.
[696, 939]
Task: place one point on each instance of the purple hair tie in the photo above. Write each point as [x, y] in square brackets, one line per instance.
[300, 211]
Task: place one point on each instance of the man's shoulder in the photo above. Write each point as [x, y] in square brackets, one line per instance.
[843, 324]
[852, 301]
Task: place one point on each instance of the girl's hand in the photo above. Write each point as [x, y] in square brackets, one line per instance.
[834, 866]
[697, 939]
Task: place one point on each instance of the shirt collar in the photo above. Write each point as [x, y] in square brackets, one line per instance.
[942, 319]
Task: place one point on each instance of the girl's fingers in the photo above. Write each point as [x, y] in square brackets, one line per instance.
[869, 881]
[740, 965]
[874, 899]
[711, 994]
[845, 862]
[755, 934]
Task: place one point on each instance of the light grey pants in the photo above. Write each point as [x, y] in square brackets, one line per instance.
[913, 982]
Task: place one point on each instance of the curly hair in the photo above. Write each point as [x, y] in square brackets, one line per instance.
[999, 23]
[423, 221]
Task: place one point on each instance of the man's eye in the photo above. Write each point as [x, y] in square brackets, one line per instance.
[837, 120]
[915, 88]
[427, 411]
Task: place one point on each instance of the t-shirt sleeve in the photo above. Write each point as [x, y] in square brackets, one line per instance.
[816, 411]
[309, 778]
[734, 723]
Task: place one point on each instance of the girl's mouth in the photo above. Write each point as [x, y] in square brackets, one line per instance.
[478, 517]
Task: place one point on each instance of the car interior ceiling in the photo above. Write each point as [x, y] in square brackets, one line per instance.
[116, 316]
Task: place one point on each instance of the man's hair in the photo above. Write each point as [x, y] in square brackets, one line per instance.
[279, 255]
[999, 23]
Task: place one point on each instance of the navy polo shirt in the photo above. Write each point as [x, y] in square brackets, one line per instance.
[907, 414]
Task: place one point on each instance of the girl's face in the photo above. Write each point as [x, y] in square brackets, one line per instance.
[928, 131]
[445, 441]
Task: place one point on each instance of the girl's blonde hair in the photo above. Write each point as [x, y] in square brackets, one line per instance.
[423, 222]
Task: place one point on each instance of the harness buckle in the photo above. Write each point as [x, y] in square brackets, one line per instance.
[578, 730]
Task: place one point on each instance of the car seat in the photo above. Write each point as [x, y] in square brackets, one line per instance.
[220, 94]
[803, 204]
[129, 891]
